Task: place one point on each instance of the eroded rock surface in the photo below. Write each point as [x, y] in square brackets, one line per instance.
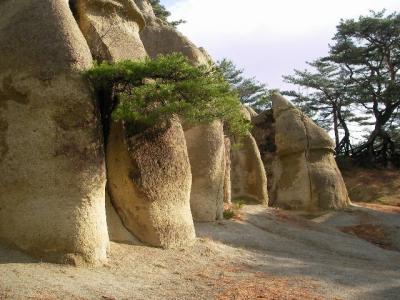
[149, 181]
[207, 193]
[51, 152]
[249, 179]
[304, 170]
[227, 179]
[111, 28]
[206, 148]
[149, 175]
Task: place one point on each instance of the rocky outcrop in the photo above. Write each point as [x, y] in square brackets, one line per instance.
[227, 179]
[52, 179]
[248, 176]
[208, 172]
[304, 168]
[206, 148]
[249, 180]
[148, 175]
[111, 28]
[149, 181]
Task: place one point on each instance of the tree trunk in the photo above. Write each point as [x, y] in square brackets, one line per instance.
[345, 144]
[336, 128]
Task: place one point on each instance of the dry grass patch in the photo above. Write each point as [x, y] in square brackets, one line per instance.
[239, 283]
[372, 185]
[374, 234]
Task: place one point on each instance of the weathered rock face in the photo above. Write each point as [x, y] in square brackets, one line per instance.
[154, 204]
[207, 193]
[149, 180]
[249, 179]
[51, 152]
[111, 28]
[160, 38]
[206, 148]
[304, 168]
[116, 229]
[227, 179]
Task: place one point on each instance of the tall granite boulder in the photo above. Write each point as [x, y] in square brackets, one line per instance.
[206, 148]
[248, 176]
[52, 179]
[304, 168]
[149, 181]
[148, 174]
[208, 172]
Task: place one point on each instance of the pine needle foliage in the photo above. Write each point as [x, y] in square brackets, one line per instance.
[251, 92]
[162, 13]
[154, 90]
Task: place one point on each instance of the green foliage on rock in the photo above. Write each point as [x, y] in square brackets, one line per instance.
[162, 13]
[153, 91]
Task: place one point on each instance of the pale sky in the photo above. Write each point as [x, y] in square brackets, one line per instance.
[268, 38]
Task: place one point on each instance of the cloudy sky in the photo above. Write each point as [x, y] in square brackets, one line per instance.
[268, 38]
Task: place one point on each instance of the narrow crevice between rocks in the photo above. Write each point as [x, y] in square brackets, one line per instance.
[107, 103]
[72, 6]
[265, 123]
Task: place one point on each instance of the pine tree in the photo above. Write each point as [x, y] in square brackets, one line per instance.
[162, 13]
[325, 99]
[251, 92]
[154, 90]
[369, 49]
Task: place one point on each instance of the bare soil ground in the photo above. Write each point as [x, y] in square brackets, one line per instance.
[264, 253]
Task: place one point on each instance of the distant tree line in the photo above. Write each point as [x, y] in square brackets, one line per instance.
[357, 83]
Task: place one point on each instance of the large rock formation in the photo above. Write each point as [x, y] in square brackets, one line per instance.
[206, 148]
[51, 152]
[304, 168]
[149, 180]
[249, 180]
[208, 172]
[148, 174]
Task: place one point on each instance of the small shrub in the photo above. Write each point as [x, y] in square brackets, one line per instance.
[152, 91]
[229, 214]
[239, 203]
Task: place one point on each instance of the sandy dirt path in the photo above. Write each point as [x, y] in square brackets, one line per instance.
[263, 254]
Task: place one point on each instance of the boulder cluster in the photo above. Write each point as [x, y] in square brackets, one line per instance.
[72, 179]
